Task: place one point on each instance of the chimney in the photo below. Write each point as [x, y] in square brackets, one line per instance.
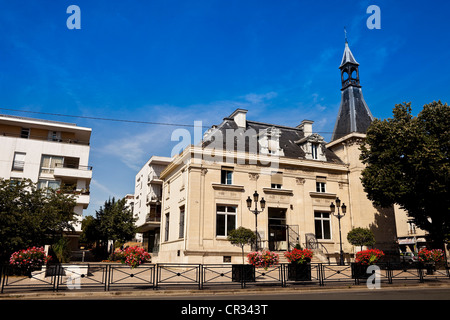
[239, 117]
[306, 125]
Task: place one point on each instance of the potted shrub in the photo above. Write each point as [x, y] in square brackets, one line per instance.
[28, 260]
[361, 237]
[299, 268]
[364, 259]
[241, 237]
[429, 258]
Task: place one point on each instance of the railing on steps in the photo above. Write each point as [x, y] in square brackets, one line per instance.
[313, 244]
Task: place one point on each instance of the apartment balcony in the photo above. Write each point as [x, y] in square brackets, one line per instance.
[77, 172]
[44, 138]
[83, 199]
[154, 178]
[152, 221]
[153, 217]
[153, 199]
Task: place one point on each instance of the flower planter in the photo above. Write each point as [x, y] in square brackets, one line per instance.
[243, 273]
[429, 258]
[359, 271]
[299, 271]
[430, 267]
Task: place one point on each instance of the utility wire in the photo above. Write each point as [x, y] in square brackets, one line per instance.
[121, 120]
[105, 119]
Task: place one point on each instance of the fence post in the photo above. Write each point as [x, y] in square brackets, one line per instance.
[420, 270]
[56, 277]
[154, 276]
[200, 277]
[155, 284]
[108, 276]
[2, 277]
[389, 272]
[321, 275]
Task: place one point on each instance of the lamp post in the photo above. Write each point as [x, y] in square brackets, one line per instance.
[256, 211]
[339, 216]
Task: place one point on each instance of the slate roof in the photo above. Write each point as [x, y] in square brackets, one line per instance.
[348, 57]
[287, 139]
[354, 115]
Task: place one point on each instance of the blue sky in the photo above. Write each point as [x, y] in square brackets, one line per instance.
[185, 61]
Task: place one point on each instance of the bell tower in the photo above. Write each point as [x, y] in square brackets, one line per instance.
[349, 69]
[353, 120]
[354, 114]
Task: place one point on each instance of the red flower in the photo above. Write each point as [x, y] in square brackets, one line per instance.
[299, 256]
[435, 255]
[368, 257]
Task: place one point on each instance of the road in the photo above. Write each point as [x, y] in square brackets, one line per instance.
[273, 304]
[411, 293]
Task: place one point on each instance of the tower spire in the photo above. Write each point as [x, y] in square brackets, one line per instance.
[354, 114]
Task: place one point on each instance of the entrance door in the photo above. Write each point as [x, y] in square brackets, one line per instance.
[277, 229]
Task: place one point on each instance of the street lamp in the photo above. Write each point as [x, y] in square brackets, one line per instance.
[339, 216]
[256, 211]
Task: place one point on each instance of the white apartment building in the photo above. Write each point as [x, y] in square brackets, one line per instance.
[147, 202]
[50, 153]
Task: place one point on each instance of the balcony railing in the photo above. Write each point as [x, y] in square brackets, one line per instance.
[73, 166]
[73, 171]
[153, 217]
[37, 137]
[153, 198]
[153, 178]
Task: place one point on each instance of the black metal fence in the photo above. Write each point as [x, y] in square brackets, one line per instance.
[106, 277]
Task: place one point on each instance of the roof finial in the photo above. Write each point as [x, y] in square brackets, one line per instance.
[345, 32]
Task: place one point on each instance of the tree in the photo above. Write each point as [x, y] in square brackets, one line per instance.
[241, 237]
[407, 163]
[114, 221]
[361, 237]
[30, 216]
[89, 232]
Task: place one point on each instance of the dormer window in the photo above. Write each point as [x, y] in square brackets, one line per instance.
[314, 151]
[269, 141]
[312, 146]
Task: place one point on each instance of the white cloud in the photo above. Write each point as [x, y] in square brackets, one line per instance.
[139, 143]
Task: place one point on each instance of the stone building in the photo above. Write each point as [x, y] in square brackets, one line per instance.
[147, 202]
[205, 187]
[50, 153]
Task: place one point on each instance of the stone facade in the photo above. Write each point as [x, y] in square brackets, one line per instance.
[205, 187]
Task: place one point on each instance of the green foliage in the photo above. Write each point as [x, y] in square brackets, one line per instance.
[114, 221]
[61, 250]
[88, 234]
[241, 237]
[407, 163]
[32, 217]
[361, 237]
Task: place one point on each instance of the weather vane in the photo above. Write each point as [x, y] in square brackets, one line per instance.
[345, 32]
